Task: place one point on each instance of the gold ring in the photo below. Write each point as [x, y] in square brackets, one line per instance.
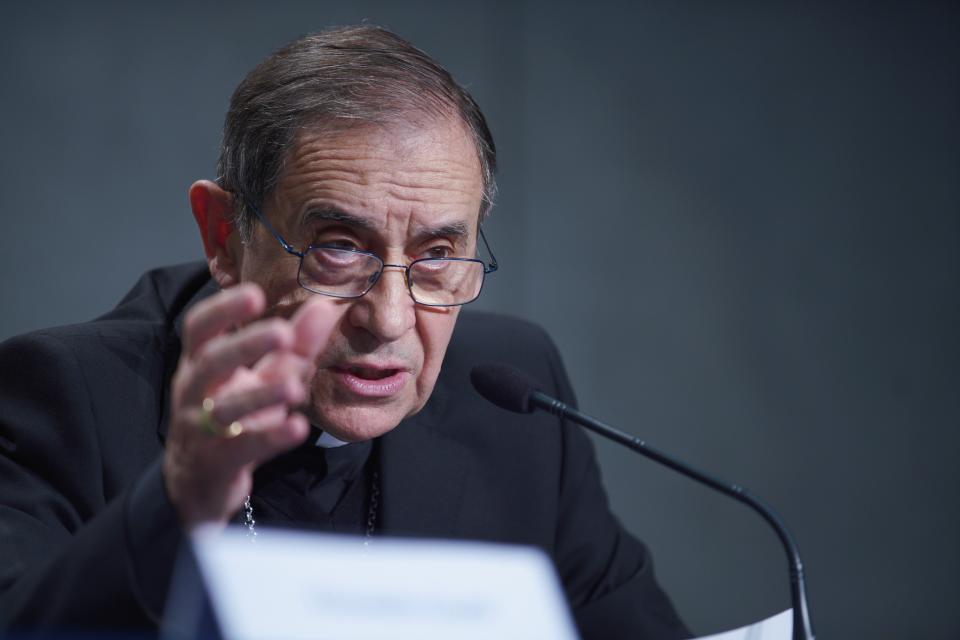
[206, 421]
[233, 430]
[211, 427]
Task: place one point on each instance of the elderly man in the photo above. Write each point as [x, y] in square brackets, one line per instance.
[313, 372]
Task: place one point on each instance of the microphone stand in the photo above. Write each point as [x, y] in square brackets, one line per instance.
[802, 629]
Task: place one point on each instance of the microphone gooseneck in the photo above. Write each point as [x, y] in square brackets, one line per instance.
[513, 390]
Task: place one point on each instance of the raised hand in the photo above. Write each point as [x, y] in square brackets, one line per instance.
[234, 398]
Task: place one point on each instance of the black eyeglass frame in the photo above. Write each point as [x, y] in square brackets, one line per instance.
[490, 267]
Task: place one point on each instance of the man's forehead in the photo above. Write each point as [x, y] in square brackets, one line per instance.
[336, 173]
[395, 133]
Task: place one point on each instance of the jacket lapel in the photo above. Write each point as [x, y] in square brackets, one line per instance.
[423, 473]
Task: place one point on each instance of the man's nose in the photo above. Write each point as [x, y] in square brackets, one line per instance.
[387, 311]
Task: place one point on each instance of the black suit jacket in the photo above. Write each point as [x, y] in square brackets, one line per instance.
[88, 536]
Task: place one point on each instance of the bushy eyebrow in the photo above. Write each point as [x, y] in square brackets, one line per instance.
[342, 217]
[455, 230]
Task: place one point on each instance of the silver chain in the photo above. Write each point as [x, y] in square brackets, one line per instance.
[372, 510]
[248, 520]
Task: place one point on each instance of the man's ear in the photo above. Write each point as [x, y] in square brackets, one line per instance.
[212, 209]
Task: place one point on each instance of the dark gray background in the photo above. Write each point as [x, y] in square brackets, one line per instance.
[739, 221]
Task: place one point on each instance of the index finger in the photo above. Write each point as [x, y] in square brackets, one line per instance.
[211, 317]
[312, 324]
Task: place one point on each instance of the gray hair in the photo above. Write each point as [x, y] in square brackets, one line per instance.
[360, 75]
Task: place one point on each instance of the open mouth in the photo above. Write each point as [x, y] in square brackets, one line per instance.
[370, 373]
[371, 382]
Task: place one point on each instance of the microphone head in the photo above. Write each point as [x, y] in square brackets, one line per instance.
[505, 386]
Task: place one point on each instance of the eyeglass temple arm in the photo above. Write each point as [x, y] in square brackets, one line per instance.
[493, 266]
[283, 243]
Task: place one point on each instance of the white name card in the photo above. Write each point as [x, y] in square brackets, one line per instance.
[778, 627]
[287, 584]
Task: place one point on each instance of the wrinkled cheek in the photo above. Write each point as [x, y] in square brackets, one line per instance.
[433, 363]
[279, 283]
[285, 303]
[424, 389]
[320, 393]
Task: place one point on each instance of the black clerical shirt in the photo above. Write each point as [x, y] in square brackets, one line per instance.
[316, 486]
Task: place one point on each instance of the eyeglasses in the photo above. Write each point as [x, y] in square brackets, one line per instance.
[351, 273]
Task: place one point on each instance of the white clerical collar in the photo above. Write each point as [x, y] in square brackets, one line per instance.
[327, 441]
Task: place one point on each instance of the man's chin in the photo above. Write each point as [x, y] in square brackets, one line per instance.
[356, 424]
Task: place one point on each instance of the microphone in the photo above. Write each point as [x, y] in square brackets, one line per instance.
[511, 389]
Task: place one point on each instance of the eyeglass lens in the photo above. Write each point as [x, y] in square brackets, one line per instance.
[349, 274]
